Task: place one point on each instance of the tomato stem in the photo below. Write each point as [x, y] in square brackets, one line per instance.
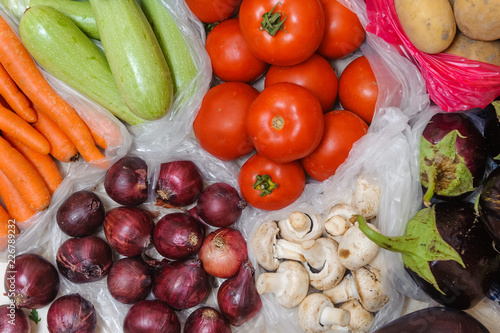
[272, 22]
[265, 184]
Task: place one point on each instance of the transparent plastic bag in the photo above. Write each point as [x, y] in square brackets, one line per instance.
[453, 82]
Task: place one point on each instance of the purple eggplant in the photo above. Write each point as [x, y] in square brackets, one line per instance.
[447, 251]
[492, 130]
[488, 204]
[452, 157]
[435, 320]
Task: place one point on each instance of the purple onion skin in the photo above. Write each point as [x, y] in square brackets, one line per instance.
[35, 282]
[179, 183]
[181, 284]
[128, 230]
[81, 214]
[178, 236]
[13, 320]
[71, 313]
[83, 260]
[151, 316]
[129, 280]
[206, 320]
[237, 296]
[126, 181]
[220, 205]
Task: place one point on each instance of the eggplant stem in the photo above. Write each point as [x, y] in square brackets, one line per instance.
[394, 244]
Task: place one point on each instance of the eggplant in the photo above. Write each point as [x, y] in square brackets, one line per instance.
[453, 157]
[436, 320]
[492, 130]
[447, 251]
[488, 204]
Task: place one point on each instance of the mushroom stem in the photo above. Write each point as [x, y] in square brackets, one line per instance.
[337, 225]
[313, 254]
[288, 250]
[300, 222]
[271, 283]
[334, 316]
[343, 292]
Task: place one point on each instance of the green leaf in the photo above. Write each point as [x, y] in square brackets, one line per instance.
[34, 316]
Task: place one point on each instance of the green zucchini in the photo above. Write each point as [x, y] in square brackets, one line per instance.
[172, 44]
[134, 55]
[59, 46]
[80, 12]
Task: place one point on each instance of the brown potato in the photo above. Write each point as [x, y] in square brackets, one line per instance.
[478, 19]
[485, 51]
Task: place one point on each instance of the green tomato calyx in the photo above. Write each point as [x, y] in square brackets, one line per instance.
[264, 184]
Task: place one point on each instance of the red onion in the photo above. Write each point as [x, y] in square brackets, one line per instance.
[151, 316]
[129, 280]
[31, 282]
[126, 181]
[238, 298]
[128, 230]
[178, 236]
[81, 214]
[84, 259]
[181, 284]
[206, 320]
[220, 205]
[13, 320]
[179, 184]
[223, 251]
[71, 313]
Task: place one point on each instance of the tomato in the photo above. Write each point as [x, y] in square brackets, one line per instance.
[342, 129]
[358, 89]
[344, 33]
[297, 31]
[212, 11]
[315, 74]
[230, 55]
[220, 125]
[268, 185]
[285, 122]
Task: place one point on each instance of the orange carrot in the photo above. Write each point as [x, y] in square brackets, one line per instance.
[19, 103]
[19, 128]
[23, 70]
[14, 202]
[24, 176]
[7, 227]
[98, 139]
[61, 146]
[43, 163]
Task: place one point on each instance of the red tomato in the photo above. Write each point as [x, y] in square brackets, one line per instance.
[296, 34]
[358, 89]
[230, 55]
[220, 125]
[268, 185]
[285, 122]
[315, 74]
[344, 33]
[342, 129]
[212, 11]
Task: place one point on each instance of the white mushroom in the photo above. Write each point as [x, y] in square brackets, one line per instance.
[361, 319]
[355, 249]
[290, 283]
[299, 227]
[322, 263]
[366, 198]
[338, 220]
[269, 249]
[363, 284]
[318, 314]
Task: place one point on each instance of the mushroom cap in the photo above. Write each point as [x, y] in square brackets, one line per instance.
[311, 314]
[299, 227]
[355, 249]
[366, 198]
[370, 288]
[361, 319]
[263, 242]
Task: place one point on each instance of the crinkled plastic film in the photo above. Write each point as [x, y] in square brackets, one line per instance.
[453, 82]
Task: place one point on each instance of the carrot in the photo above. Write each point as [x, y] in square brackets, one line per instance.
[23, 70]
[7, 226]
[43, 163]
[61, 146]
[24, 176]
[98, 139]
[19, 128]
[19, 103]
[14, 202]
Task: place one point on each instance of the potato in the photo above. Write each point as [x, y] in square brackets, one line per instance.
[485, 51]
[428, 24]
[478, 19]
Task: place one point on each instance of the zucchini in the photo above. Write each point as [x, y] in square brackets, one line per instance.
[59, 46]
[172, 44]
[134, 55]
[80, 12]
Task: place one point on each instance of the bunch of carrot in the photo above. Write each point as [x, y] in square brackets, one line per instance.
[37, 128]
